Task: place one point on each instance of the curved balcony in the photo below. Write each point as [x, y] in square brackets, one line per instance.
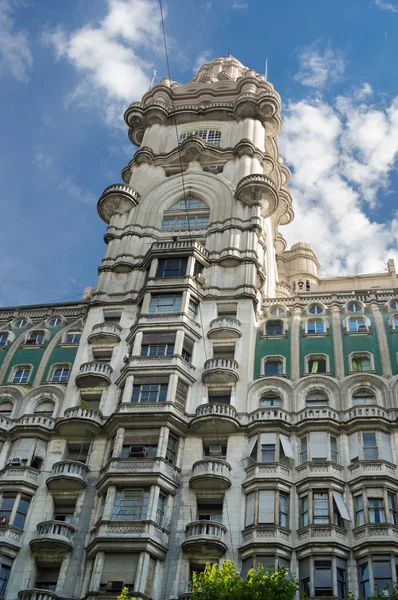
[220, 370]
[105, 334]
[206, 537]
[215, 418]
[79, 420]
[94, 374]
[117, 199]
[69, 475]
[210, 474]
[33, 422]
[53, 536]
[258, 189]
[226, 328]
[37, 594]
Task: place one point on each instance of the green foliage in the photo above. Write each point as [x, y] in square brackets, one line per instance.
[227, 584]
[124, 595]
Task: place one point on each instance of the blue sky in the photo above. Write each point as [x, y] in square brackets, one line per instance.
[68, 69]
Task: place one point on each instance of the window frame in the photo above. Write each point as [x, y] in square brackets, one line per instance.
[62, 368]
[23, 368]
[305, 451]
[122, 503]
[164, 270]
[156, 302]
[271, 335]
[72, 333]
[258, 519]
[311, 358]
[274, 358]
[18, 497]
[209, 133]
[361, 355]
[161, 393]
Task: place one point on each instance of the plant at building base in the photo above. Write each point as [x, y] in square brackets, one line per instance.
[124, 595]
[226, 584]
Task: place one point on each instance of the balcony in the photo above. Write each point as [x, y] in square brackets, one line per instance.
[205, 537]
[258, 189]
[158, 409]
[118, 468]
[94, 374]
[105, 334]
[67, 475]
[374, 533]
[173, 361]
[322, 533]
[53, 536]
[281, 470]
[37, 594]
[224, 328]
[33, 423]
[263, 534]
[215, 418]
[10, 536]
[117, 199]
[20, 475]
[210, 474]
[79, 420]
[268, 414]
[319, 468]
[183, 247]
[370, 468]
[221, 371]
[138, 532]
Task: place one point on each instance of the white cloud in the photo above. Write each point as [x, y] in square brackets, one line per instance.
[386, 5]
[203, 57]
[110, 58]
[317, 67]
[342, 155]
[43, 161]
[240, 5]
[206, 7]
[76, 192]
[15, 55]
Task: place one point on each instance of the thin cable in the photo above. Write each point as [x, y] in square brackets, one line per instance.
[33, 287]
[188, 223]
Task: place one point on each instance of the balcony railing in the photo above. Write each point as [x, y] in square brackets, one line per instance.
[67, 475]
[212, 473]
[94, 373]
[211, 409]
[227, 327]
[110, 332]
[69, 467]
[37, 594]
[34, 420]
[82, 412]
[55, 528]
[205, 535]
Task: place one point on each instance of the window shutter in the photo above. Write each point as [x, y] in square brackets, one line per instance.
[250, 509]
[158, 338]
[41, 449]
[25, 448]
[119, 567]
[268, 438]
[250, 446]
[188, 345]
[286, 445]
[181, 394]
[141, 436]
[266, 506]
[385, 440]
[318, 445]
[353, 444]
[341, 507]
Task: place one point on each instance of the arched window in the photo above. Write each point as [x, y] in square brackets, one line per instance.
[46, 407]
[354, 307]
[317, 398]
[186, 214]
[270, 400]
[6, 409]
[363, 396]
[211, 136]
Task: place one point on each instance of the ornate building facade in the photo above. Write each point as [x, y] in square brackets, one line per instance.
[213, 397]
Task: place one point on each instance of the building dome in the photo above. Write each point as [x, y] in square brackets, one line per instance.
[225, 68]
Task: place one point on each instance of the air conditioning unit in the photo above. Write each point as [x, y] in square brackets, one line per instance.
[215, 449]
[200, 278]
[3, 520]
[15, 461]
[114, 586]
[135, 451]
[362, 328]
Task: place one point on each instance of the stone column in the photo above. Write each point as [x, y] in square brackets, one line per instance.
[128, 389]
[172, 387]
[337, 342]
[162, 443]
[179, 341]
[117, 448]
[382, 340]
[295, 345]
[97, 572]
[136, 351]
[142, 570]
[154, 267]
[145, 303]
[190, 266]
[185, 302]
[4, 453]
[153, 503]
[109, 503]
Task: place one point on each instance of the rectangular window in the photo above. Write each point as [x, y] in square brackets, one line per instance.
[392, 507]
[370, 450]
[323, 580]
[3, 339]
[5, 570]
[315, 327]
[172, 267]
[334, 449]
[304, 511]
[341, 580]
[273, 367]
[22, 510]
[160, 510]
[151, 394]
[376, 510]
[60, 375]
[305, 585]
[73, 337]
[317, 365]
[359, 511]
[364, 581]
[21, 376]
[7, 505]
[274, 328]
[131, 505]
[172, 449]
[164, 304]
[303, 450]
[267, 452]
[382, 575]
[193, 309]
[321, 508]
[157, 350]
[283, 513]
[139, 451]
[360, 363]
